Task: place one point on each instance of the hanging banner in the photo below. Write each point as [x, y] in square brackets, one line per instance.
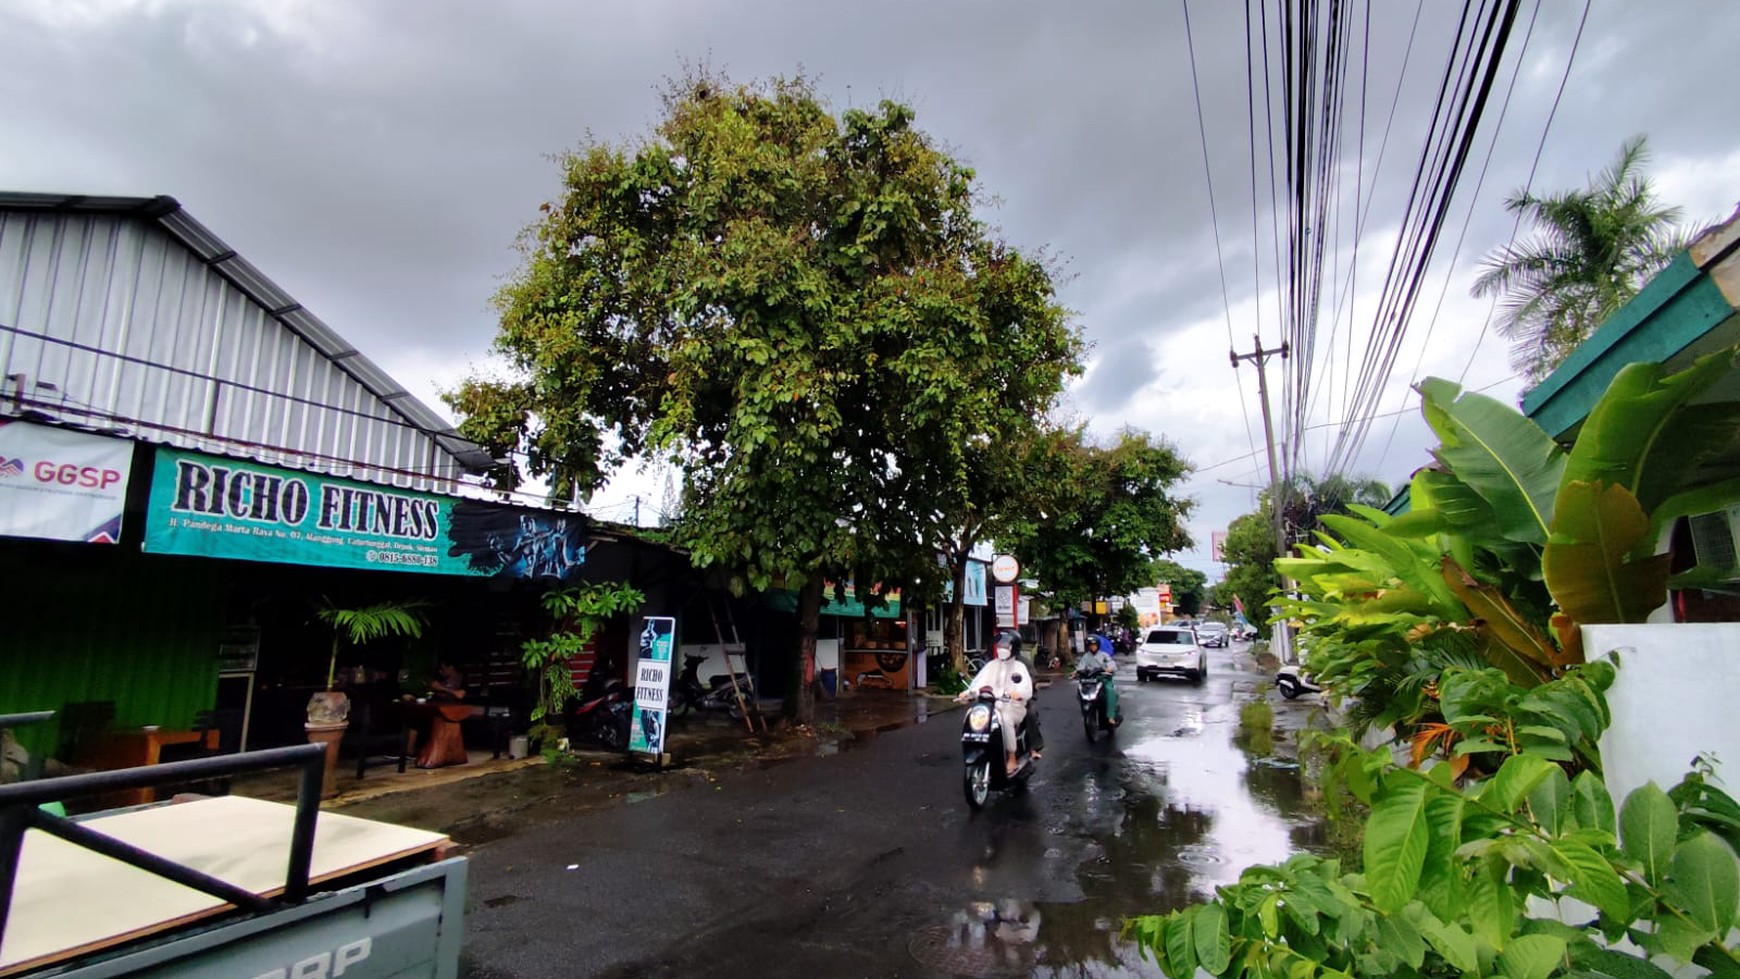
[975, 590]
[209, 506]
[57, 484]
[652, 686]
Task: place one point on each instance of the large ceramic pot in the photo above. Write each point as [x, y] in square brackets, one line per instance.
[328, 716]
[329, 707]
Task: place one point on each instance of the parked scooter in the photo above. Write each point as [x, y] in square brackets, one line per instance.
[602, 712]
[982, 752]
[687, 694]
[1090, 689]
[1293, 681]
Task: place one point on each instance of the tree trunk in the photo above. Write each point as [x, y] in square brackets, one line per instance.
[800, 700]
[955, 621]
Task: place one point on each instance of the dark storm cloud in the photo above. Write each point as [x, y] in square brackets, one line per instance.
[378, 158]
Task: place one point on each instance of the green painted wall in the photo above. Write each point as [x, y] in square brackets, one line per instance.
[96, 622]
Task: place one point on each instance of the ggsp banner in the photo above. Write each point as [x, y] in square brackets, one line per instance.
[652, 685]
[57, 484]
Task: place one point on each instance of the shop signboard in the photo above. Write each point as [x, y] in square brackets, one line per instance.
[652, 686]
[57, 484]
[209, 506]
[850, 606]
[1008, 604]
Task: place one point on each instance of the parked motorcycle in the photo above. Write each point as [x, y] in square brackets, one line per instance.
[1091, 692]
[687, 694]
[1293, 681]
[602, 712]
[982, 752]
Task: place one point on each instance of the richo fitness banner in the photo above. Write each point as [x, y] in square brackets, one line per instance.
[209, 506]
[57, 484]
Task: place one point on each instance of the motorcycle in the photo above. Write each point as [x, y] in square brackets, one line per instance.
[1293, 681]
[602, 712]
[982, 752]
[688, 694]
[1091, 691]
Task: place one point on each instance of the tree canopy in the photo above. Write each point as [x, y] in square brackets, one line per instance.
[1116, 513]
[799, 311]
[1188, 585]
[1592, 250]
[1249, 551]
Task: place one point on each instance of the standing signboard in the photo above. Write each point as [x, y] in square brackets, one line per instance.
[1008, 601]
[652, 686]
[57, 484]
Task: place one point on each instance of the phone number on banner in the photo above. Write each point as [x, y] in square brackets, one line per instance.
[400, 557]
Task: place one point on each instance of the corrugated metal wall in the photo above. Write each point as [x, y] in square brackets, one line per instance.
[131, 328]
[89, 623]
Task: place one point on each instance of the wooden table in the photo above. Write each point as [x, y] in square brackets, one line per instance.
[132, 749]
[69, 901]
[445, 743]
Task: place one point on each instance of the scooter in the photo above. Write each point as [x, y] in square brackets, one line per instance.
[1091, 691]
[1293, 681]
[718, 694]
[602, 712]
[982, 752]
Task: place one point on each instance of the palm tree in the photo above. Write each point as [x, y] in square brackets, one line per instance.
[1592, 251]
[1309, 498]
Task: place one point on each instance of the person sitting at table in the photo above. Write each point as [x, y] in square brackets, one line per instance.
[439, 739]
[448, 685]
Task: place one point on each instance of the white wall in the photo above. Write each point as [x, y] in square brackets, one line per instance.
[1674, 699]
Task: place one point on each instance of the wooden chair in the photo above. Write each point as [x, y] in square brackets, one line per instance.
[81, 724]
[496, 686]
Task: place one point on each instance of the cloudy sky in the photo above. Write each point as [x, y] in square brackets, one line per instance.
[377, 159]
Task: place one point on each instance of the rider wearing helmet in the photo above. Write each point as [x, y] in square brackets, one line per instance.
[1010, 679]
[1098, 658]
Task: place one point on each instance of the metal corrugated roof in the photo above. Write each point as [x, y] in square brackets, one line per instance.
[217, 255]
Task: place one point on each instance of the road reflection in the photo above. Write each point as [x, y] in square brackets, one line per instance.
[1166, 817]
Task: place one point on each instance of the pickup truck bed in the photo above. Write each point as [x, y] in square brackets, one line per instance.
[69, 901]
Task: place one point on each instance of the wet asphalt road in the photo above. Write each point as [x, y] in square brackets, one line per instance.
[868, 863]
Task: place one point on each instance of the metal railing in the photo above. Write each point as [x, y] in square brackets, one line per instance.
[20, 810]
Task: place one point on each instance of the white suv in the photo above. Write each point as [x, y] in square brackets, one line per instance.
[1170, 650]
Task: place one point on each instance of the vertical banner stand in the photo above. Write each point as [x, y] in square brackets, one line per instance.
[652, 689]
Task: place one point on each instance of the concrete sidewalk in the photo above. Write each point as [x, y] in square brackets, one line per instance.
[696, 744]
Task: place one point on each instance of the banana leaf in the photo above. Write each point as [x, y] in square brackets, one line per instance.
[1587, 561]
[1498, 453]
[1643, 434]
[1517, 647]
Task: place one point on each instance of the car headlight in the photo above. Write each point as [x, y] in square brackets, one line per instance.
[978, 718]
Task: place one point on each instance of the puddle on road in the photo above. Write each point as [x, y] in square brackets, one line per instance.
[1181, 814]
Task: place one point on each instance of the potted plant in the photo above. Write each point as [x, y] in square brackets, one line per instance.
[329, 709]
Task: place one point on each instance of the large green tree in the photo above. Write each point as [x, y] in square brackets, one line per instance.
[1189, 586]
[1249, 552]
[1116, 513]
[1592, 250]
[798, 310]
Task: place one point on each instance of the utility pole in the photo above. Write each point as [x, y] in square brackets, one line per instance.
[1261, 356]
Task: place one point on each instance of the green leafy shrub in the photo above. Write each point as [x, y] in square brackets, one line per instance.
[578, 611]
[1450, 864]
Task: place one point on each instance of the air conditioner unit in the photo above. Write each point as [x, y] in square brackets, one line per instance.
[1713, 539]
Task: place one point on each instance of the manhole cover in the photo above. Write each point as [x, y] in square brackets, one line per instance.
[944, 949]
[984, 940]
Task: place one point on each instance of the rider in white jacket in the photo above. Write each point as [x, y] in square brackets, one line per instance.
[1007, 677]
